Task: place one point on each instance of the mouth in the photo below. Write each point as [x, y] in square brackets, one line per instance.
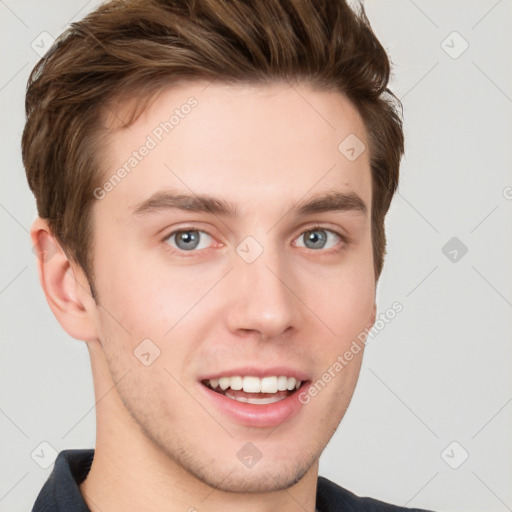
[255, 390]
[256, 397]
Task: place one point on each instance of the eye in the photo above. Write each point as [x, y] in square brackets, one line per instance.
[189, 239]
[320, 238]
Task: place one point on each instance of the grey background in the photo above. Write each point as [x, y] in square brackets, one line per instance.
[438, 373]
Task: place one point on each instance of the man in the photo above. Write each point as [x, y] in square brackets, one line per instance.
[212, 179]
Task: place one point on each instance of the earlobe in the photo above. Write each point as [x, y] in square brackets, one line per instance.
[68, 297]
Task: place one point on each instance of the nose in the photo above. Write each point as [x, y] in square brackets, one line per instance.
[263, 300]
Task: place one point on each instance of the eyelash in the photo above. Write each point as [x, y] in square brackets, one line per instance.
[333, 250]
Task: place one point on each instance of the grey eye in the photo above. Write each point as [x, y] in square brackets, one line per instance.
[317, 238]
[189, 239]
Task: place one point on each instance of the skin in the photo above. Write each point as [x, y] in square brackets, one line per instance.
[161, 445]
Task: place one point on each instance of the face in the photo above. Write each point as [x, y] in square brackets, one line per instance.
[251, 277]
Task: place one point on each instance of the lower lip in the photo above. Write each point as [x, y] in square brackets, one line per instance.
[253, 415]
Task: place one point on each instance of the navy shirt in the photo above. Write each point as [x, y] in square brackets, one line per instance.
[61, 493]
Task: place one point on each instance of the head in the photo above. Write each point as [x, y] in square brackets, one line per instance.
[250, 103]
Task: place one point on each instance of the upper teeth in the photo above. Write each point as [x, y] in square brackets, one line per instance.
[252, 384]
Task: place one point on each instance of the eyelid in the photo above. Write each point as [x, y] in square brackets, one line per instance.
[339, 247]
[304, 229]
[185, 229]
[337, 231]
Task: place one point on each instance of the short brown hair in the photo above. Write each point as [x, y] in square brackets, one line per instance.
[134, 48]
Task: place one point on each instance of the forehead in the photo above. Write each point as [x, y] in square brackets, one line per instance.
[257, 146]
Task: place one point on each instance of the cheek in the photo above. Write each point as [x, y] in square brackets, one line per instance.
[137, 295]
[145, 297]
[342, 298]
[155, 303]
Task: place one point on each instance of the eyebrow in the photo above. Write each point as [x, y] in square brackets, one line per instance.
[168, 200]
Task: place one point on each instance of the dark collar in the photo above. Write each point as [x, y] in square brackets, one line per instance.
[61, 492]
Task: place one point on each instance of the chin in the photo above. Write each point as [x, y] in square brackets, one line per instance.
[265, 479]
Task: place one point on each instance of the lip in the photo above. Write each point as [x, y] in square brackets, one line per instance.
[253, 415]
[252, 371]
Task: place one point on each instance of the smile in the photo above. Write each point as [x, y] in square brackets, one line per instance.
[254, 390]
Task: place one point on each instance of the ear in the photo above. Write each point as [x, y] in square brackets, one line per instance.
[64, 284]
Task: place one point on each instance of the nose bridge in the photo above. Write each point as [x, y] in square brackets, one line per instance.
[262, 297]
